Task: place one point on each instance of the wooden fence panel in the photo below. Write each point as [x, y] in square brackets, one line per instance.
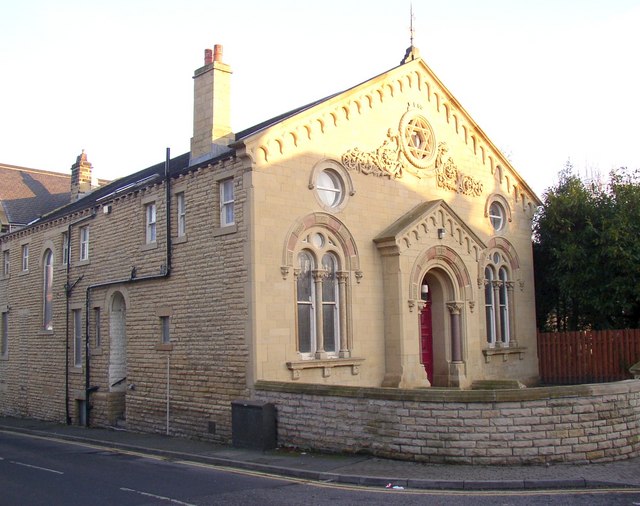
[567, 358]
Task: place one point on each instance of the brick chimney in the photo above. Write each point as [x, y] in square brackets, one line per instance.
[211, 107]
[81, 177]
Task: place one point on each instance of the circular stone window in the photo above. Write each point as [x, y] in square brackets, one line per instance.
[496, 216]
[330, 188]
[417, 139]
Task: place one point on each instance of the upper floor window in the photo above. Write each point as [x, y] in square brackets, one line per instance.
[330, 188]
[150, 213]
[182, 214]
[84, 243]
[25, 257]
[226, 203]
[47, 292]
[6, 265]
[496, 216]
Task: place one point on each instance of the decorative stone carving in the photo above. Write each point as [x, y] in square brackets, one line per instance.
[382, 162]
[450, 178]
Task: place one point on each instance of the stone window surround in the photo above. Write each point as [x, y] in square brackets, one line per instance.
[345, 179]
[180, 189]
[145, 202]
[164, 311]
[227, 229]
[350, 263]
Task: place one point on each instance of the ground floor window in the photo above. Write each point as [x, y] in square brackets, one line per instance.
[498, 299]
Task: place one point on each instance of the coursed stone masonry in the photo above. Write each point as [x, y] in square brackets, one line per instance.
[567, 424]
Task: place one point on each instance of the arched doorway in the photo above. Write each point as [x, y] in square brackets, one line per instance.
[426, 332]
[117, 358]
[435, 334]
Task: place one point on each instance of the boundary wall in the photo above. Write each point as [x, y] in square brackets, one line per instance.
[563, 424]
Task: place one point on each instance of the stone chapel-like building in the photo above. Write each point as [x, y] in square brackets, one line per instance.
[374, 239]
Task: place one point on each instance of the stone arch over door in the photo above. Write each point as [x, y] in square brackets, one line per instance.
[443, 268]
[440, 292]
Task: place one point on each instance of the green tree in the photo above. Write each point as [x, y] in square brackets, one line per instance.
[587, 253]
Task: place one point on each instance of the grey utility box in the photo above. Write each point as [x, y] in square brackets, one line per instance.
[253, 425]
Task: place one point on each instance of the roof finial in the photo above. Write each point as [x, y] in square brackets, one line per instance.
[412, 52]
[411, 30]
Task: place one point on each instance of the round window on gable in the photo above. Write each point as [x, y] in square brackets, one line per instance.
[330, 188]
[497, 216]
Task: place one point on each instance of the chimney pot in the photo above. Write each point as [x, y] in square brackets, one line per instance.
[208, 56]
[217, 53]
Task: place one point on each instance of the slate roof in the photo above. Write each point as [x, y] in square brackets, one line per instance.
[26, 194]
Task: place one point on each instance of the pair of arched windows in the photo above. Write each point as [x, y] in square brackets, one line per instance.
[320, 297]
[498, 299]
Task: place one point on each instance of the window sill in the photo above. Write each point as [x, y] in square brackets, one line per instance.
[180, 239]
[504, 352]
[4, 358]
[149, 246]
[80, 263]
[75, 369]
[164, 347]
[325, 364]
[229, 229]
[97, 351]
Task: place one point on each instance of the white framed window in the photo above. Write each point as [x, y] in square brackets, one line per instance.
[150, 214]
[181, 212]
[6, 263]
[226, 203]
[65, 248]
[497, 216]
[25, 257]
[77, 338]
[47, 291]
[165, 329]
[84, 243]
[4, 334]
[330, 188]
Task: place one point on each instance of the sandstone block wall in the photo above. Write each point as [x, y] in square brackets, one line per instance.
[576, 424]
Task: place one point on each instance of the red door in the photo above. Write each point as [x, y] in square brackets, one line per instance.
[426, 338]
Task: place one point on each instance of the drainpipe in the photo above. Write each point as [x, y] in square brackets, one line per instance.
[68, 288]
[166, 271]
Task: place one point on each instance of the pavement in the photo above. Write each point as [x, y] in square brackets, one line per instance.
[342, 468]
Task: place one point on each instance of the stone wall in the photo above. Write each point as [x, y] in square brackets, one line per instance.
[568, 424]
[205, 362]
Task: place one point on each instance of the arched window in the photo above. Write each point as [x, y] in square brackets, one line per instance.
[320, 297]
[47, 292]
[330, 303]
[504, 305]
[305, 295]
[489, 305]
[498, 300]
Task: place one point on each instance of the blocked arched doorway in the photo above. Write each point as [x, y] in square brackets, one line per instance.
[117, 358]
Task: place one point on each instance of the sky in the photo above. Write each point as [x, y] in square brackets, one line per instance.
[549, 81]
